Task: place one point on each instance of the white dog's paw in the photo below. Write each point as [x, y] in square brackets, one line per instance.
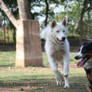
[59, 79]
[59, 82]
[67, 86]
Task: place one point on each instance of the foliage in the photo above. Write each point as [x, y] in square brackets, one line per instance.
[72, 35]
[72, 8]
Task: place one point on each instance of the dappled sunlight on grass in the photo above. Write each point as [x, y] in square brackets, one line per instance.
[37, 79]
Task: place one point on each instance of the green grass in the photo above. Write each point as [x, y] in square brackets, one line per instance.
[1, 35]
[17, 74]
[72, 60]
[7, 58]
[8, 35]
[37, 79]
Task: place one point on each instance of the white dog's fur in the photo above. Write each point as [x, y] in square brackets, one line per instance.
[57, 50]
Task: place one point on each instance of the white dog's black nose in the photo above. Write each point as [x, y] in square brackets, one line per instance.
[63, 38]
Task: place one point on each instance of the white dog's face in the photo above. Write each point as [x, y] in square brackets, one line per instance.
[59, 32]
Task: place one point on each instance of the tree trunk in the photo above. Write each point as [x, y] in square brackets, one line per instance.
[14, 36]
[78, 24]
[24, 9]
[89, 29]
[28, 45]
[47, 9]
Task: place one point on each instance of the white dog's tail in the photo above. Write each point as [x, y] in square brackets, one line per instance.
[44, 33]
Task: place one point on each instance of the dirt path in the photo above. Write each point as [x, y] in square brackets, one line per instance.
[42, 88]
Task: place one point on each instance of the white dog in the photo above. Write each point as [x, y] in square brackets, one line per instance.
[57, 49]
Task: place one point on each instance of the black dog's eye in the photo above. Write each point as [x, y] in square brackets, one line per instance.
[63, 30]
[57, 31]
[84, 50]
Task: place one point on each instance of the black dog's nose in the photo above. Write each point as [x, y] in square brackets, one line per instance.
[77, 57]
[63, 38]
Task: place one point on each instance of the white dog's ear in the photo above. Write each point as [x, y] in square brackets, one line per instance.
[53, 24]
[64, 22]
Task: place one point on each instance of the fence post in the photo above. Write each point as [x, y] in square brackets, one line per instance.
[28, 44]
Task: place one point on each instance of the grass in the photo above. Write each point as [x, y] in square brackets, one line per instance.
[8, 35]
[16, 74]
[37, 79]
[7, 58]
[40, 79]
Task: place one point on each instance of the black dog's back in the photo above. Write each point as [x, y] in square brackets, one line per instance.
[89, 76]
[88, 51]
[85, 54]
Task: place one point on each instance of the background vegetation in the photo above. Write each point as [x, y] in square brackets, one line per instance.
[77, 12]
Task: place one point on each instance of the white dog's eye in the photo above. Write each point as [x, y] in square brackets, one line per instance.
[63, 30]
[57, 31]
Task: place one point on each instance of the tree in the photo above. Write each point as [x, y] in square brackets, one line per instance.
[79, 23]
[47, 10]
[77, 12]
[24, 42]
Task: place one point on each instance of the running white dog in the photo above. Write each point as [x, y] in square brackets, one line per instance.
[57, 49]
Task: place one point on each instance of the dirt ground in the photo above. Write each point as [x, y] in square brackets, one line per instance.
[78, 82]
[78, 88]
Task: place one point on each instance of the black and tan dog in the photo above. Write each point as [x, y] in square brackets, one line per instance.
[85, 56]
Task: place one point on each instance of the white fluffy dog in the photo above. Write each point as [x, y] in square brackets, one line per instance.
[57, 49]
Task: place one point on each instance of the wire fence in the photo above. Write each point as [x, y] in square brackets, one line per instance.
[7, 39]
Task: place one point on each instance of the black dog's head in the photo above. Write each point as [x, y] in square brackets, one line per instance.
[84, 53]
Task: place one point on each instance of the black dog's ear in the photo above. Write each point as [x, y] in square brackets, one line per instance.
[87, 47]
[53, 24]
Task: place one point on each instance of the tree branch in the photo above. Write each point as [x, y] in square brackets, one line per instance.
[8, 13]
[47, 9]
[81, 15]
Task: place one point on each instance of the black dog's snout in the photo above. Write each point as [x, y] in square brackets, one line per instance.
[63, 38]
[77, 57]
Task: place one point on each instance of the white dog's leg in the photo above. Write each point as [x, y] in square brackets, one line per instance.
[54, 67]
[66, 71]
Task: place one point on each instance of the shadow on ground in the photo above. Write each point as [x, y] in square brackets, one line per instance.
[78, 84]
